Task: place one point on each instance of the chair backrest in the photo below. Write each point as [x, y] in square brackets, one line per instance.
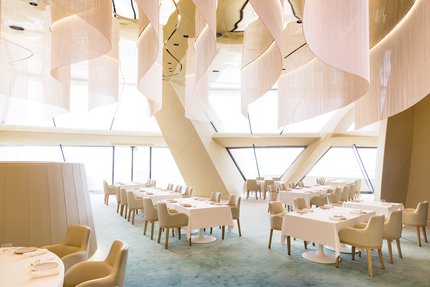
[170, 186]
[276, 207]
[338, 192]
[251, 185]
[105, 187]
[188, 191]
[132, 201]
[332, 198]
[351, 192]
[299, 203]
[118, 194]
[282, 186]
[276, 179]
[259, 178]
[123, 194]
[77, 236]
[117, 258]
[150, 211]
[215, 196]
[345, 193]
[422, 211]
[301, 184]
[393, 226]
[163, 214]
[232, 201]
[273, 196]
[374, 232]
[271, 188]
[178, 188]
[269, 182]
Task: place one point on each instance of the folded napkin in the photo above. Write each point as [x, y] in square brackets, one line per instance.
[44, 273]
[338, 217]
[39, 251]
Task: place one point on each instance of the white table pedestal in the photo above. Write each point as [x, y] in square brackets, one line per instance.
[343, 248]
[319, 256]
[202, 237]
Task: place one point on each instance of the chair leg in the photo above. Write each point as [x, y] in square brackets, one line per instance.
[238, 226]
[425, 234]
[166, 238]
[247, 194]
[270, 237]
[399, 250]
[337, 261]
[129, 215]
[419, 237]
[381, 259]
[117, 207]
[145, 226]
[107, 199]
[121, 209]
[353, 252]
[159, 234]
[390, 251]
[306, 244]
[189, 241]
[173, 232]
[179, 233]
[289, 245]
[133, 213]
[369, 262]
[210, 232]
[222, 232]
[152, 229]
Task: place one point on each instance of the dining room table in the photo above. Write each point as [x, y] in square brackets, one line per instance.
[30, 267]
[156, 194]
[309, 192]
[380, 207]
[321, 225]
[202, 214]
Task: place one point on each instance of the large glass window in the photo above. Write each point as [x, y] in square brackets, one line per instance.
[141, 164]
[31, 153]
[164, 168]
[122, 164]
[271, 161]
[342, 163]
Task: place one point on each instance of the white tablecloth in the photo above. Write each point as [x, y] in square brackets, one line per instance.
[203, 214]
[318, 227]
[338, 182]
[379, 207]
[157, 194]
[15, 270]
[287, 196]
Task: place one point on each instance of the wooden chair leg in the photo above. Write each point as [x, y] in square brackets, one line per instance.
[159, 234]
[121, 209]
[425, 234]
[173, 232]
[289, 245]
[117, 207]
[107, 199]
[390, 251]
[369, 262]
[270, 237]
[419, 237]
[238, 226]
[152, 229]
[144, 227]
[399, 250]
[337, 261]
[133, 214]
[353, 252]
[210, 232]
[222, 232]
[381, 259]
[306, 244]
[166, 238]
[189, 241]
[179, 233]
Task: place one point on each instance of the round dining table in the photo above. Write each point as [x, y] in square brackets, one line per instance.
[16, 269]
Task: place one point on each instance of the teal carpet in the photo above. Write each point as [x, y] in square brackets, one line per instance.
[246, 260]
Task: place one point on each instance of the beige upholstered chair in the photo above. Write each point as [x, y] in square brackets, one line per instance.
[150, 215]
[351, 191]
[188, 192]
[170, 187]
[167, 220]
[299, 203]
[265, 188]
[215, 197]
[178, 189]
[234, 203]
[124, 204]
[108, 190]
[345, 193]
[251, 186]
[74, 247]
[118, 199]
[369, 237]
[417, 218]
[134, 204]
[393, 231]
[318, 200]
[276, 216]
[338, 192]
[107, 273]
[259, 178]
[332, 199]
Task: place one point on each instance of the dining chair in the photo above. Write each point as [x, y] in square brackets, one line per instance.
[368, 237]
[300, 203]
[345, 193]
[134, 204]
[167, 220]
[393, 231]
[418, 218]
[150, 215]
[178, 189]
[318, 200]
[188, 192]
[251, 186]
[124, 204]
[234, 203]
[351, 191]
[170, 187]
[74, 247]
[332, 199]
[107, 273]
[273, 196]
[215, 197]
[265, 188]
[276, 216]
[338, 192]
[108, 190]
[260, 178]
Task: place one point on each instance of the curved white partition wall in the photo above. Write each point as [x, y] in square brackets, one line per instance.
[38, 200]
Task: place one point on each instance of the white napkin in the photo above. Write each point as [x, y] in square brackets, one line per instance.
[44, 273]
[39, 251]
[338, 217]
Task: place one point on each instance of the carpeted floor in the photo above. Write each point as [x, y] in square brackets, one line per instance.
[246, 260]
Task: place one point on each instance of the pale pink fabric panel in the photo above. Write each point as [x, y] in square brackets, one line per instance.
[149, 54]
[295, 55]
[338, 33]
[203, 50]
[81, 30]
[103, 76]
[400, 70]
[262, 58]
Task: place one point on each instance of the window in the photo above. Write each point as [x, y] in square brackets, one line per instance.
[31, 153]
[164, 168]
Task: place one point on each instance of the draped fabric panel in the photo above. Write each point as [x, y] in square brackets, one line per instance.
[399, 67]
[149, 54]
[204, 49]
[337, 32]
[261, 55]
